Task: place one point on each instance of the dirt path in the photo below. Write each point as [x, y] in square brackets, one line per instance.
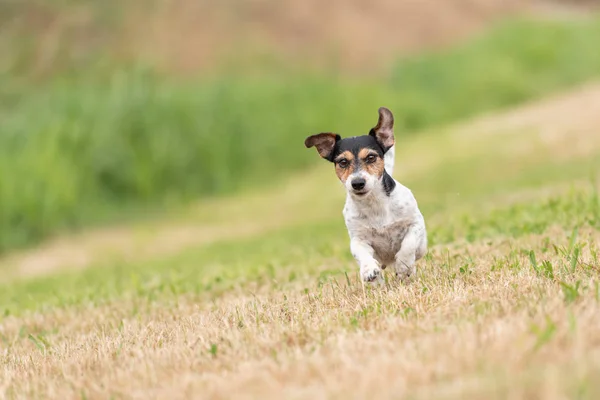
[567, 124]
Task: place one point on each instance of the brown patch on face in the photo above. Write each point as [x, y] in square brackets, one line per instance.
[344, 165]
[372, 167]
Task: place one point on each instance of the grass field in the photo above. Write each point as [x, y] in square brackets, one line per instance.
[124, 140]
[256, 295]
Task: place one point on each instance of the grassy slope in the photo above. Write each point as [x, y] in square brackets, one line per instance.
[132, 139]
[505, 304]
[432, 174]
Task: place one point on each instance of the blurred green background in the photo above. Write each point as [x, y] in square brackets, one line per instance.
[111, 111]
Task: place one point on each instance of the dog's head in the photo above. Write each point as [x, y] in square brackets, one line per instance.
[359, 160]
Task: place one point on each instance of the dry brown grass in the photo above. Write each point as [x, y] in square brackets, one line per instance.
[361, 35]
[496, 330]
[188, 36]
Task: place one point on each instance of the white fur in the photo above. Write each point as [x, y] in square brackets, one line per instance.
[384, 230]
[388, 160]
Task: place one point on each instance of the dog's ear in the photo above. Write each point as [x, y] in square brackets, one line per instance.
[384, 130]
[324, 142]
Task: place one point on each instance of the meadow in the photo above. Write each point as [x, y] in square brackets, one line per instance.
[242, 285]
[126, 140]
[505, 303]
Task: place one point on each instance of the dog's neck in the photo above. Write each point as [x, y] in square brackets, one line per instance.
[388, 183]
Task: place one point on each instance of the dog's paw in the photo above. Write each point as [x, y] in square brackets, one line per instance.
[371, 273]
[405, 271]
[406, 275]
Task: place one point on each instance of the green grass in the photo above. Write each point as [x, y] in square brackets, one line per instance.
[515, 62]
[91, 148]
[463, 197]
[284, 256]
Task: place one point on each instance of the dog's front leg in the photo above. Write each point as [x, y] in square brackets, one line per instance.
[370, 271]
[413, 247]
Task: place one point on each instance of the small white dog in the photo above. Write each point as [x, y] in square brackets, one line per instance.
[382, 216]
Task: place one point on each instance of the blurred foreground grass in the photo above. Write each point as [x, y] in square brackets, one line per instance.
[92, 148]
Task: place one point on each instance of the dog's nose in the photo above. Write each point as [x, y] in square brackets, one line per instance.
[358, 184]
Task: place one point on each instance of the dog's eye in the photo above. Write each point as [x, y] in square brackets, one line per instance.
[343, 163]
[371, 158]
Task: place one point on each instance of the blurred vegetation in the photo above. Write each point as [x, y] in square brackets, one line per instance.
[515, 62]
[96, 145]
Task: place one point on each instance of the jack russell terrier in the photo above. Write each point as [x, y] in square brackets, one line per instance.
[383, 220]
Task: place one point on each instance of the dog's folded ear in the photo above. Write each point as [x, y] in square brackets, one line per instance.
[384, 130]
[324, 142]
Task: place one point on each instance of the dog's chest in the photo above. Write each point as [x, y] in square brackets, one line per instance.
[386, 242]
[384, 233]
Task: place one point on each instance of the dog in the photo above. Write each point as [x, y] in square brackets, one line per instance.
[385, 225]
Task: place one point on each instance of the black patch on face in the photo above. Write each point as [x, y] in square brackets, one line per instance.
[389, 184]
[356, 144]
